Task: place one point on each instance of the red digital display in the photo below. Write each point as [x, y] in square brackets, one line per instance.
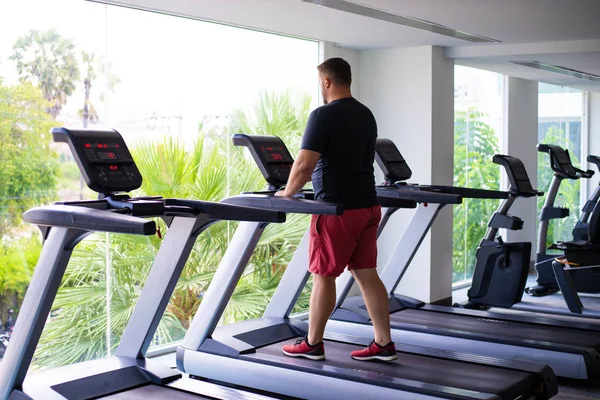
[275, 154]
[113, 167]
[106, 155]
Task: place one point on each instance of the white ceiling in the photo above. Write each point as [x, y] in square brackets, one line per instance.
[535, 24]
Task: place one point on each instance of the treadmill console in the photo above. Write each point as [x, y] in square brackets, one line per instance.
[270, 153]
[390, 161]
[103, 158]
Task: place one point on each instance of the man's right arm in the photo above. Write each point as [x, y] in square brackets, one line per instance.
[313, 144]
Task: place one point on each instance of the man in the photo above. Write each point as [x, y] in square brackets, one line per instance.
[338, 150]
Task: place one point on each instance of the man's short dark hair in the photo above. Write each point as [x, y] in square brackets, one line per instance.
[338, 70]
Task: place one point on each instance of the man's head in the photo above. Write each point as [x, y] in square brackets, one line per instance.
[335, 77]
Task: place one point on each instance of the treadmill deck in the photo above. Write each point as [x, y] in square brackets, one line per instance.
[498, 327]
[506, 383]
[154, 392]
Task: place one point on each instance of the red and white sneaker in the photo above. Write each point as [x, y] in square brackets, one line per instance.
[376, 352]
[302, 349]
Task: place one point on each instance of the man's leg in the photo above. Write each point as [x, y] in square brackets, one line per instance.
[322, 302]
[376, 300]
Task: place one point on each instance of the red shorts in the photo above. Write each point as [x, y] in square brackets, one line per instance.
[337, 241]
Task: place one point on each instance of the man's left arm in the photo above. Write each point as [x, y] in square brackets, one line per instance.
[301, 172]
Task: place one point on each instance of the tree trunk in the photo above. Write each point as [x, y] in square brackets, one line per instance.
[86, 110]
[86, 116]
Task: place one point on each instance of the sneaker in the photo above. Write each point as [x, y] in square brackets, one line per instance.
[302, 349]
[376, 352]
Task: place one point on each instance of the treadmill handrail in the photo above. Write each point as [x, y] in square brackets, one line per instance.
[285, 204]
[469, 193]
[229, 212]
[419, 194]
[88, 219]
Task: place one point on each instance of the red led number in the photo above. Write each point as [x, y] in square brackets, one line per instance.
[276, 156]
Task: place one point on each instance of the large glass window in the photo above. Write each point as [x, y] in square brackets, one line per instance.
[176, 89]
[478, 123]
[560, 121]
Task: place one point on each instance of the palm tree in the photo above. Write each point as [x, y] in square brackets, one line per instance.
[48, 60]
[90, 66]
[212, 170]
[94, 67]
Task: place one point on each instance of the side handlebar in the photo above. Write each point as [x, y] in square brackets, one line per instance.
[419, 194]
[285, 204]
[88, 219]
[230, 212]
[469, 193]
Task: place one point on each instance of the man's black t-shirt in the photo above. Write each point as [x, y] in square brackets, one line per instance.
[344, 133]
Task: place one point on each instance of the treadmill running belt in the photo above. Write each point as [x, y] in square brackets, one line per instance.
[509, 329]
[508, 384]
[591, 301]
[154, 392]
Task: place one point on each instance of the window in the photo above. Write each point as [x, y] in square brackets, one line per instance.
[176, 94]
[478, 97]
[560, 121]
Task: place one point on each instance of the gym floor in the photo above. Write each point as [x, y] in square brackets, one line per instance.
[569, 389]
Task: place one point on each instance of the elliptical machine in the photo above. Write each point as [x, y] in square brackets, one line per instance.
[560, 162]
[501, 269]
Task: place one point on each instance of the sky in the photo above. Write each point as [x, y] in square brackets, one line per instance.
[177, 68]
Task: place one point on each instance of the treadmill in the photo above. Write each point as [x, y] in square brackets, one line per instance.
[570, 348]
[109, 169]
[228, 352]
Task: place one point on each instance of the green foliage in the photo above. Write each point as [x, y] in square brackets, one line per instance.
[17, 261]
[48, 60]
[210, 170]
[475, 143]
[282, 114]
[569, 194]
[29, 165]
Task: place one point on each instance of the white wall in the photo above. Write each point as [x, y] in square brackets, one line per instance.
[593, 137]
[520, 140]
[411, 93]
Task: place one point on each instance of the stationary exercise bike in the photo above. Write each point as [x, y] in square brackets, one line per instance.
[581, 262]
[580, 232]
[501, 269]
[585, 282]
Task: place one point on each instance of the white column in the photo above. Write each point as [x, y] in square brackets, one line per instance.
[411, 93]
[593, 137]
[520, 140]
